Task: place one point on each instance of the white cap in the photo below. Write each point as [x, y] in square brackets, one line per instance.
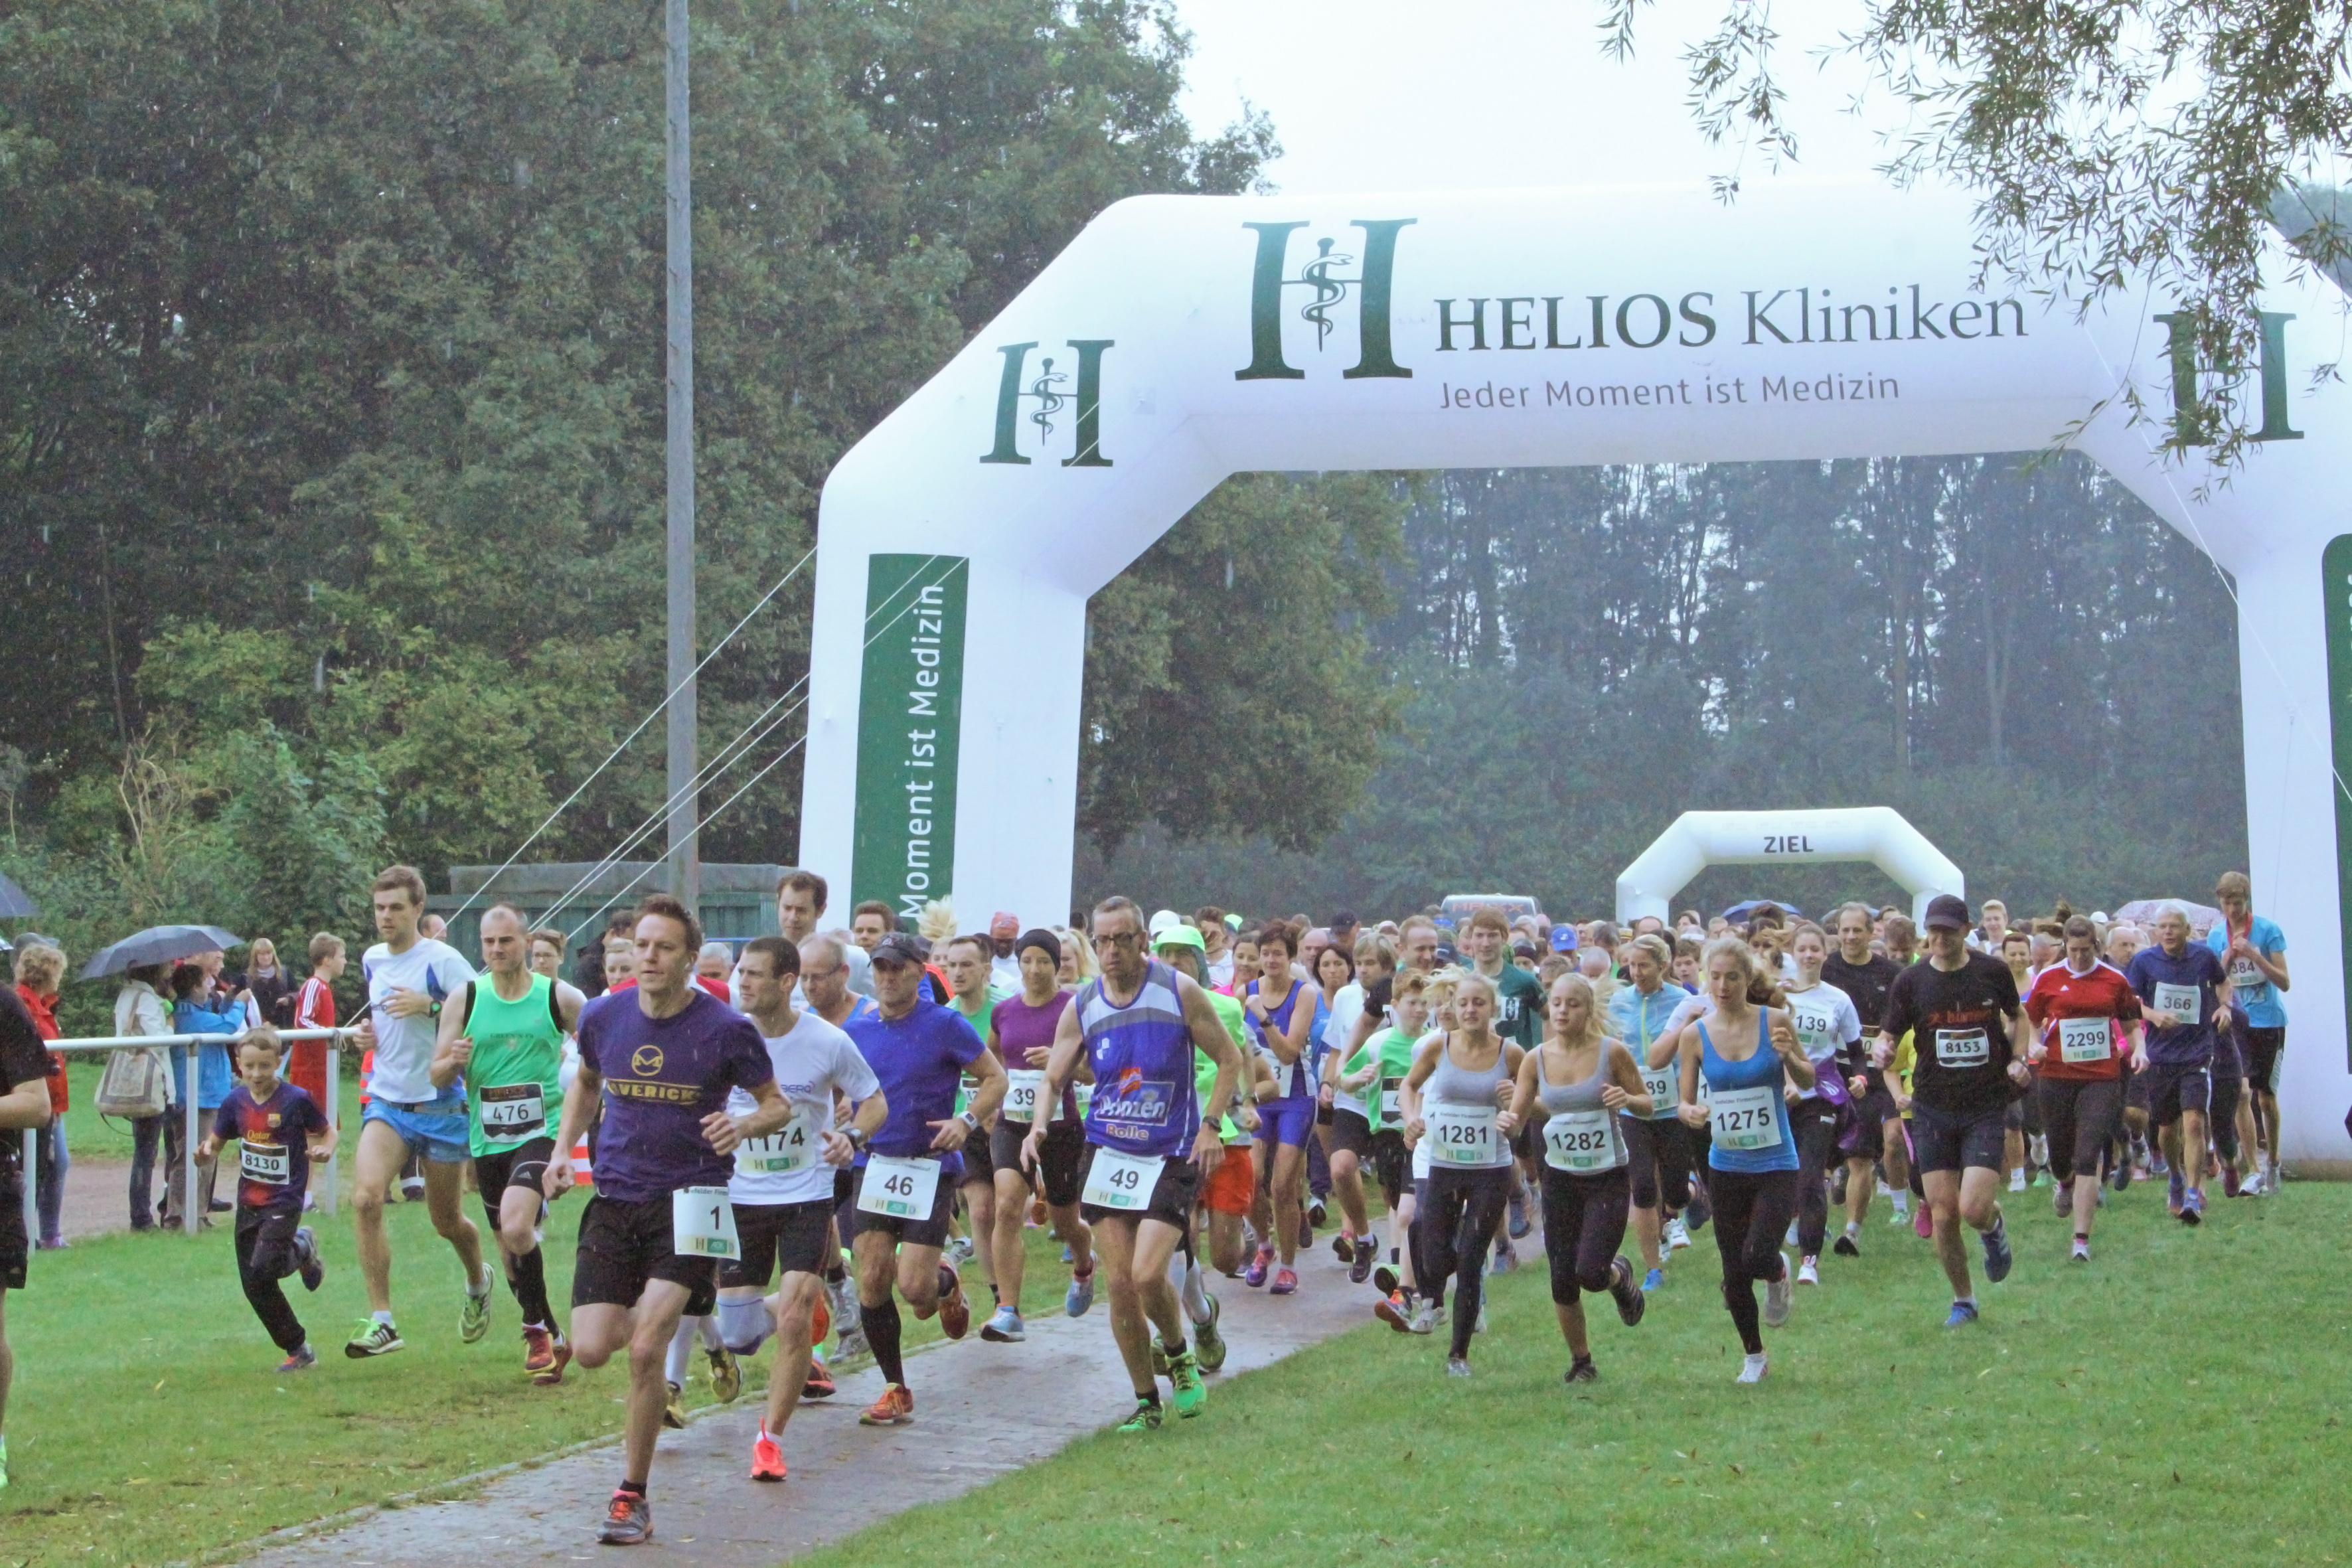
[1163, 920]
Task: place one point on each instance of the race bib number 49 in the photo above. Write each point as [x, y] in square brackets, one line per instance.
[1123, 1182]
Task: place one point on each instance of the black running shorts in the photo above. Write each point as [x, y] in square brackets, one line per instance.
[623, 1246]
[1957, 1140]
[1171, 1196]
[786, 1238]
[931, 1231]
[522, 1166]
[1058, 1160]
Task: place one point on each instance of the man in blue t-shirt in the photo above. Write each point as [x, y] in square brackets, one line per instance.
[662, 1056]
[920, 1051]
[2180, 992]
[2253, 953]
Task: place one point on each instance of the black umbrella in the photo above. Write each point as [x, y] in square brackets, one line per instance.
[159, 944]
[14, 903]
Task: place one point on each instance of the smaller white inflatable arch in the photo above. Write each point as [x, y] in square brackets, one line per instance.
[1702, 838]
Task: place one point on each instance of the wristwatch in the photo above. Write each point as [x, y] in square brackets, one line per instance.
[971, 1122]
[856, 1136]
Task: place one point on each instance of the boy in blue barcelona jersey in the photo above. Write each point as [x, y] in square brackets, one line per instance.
[662, 1056]
[279, 1129]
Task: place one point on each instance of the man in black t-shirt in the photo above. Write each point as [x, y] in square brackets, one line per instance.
[1961, 1010]
[1877, 1126]
[24, 1105]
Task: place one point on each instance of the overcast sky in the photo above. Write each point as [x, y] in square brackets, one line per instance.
[1394, 95]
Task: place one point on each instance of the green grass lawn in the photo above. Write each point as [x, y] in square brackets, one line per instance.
[89, 1136]
[2182, 1400]
[2179, 1401]
[147, 1424]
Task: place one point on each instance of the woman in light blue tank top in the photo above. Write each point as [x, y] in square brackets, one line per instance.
[1749, 1054]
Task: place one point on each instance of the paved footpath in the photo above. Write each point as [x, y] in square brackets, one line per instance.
[980, 1410]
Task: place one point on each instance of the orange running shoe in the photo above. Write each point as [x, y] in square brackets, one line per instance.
[894, 1408]
[955, 1313]
[818, 1384]
[545, 1356]
[767, 1456]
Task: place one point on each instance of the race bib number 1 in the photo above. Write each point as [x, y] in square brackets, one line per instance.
[2083, 1040]
[702, 1224]
[1124, 1182]
[1461, 1134]
[898, 1189]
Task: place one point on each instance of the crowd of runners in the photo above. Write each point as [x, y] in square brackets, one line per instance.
[809, 1137]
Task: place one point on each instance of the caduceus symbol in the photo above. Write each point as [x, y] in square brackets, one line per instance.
[1045, 389]
[1328, 290]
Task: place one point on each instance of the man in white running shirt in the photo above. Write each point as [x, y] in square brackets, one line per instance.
[409, 975]
[782, 1188]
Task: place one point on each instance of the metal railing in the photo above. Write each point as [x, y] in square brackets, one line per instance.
[192, 1216]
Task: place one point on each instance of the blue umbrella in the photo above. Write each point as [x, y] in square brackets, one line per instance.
[159, 944]
[14, 903]
[1747, 911]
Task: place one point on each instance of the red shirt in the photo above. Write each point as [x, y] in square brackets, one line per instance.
[44, 1024]
[2058, 994]
[305, 1065]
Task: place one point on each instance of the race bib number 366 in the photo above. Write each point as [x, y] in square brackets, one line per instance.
[2180, 1001]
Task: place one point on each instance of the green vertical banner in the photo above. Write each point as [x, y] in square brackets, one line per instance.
[2335, 585]
[909, 711]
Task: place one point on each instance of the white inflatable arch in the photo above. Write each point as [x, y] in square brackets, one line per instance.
[1180, 340]
[1697, 839]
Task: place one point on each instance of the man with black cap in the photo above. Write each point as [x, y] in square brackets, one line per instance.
[920, 1051]
[1021, 1028]
[1962, 1011]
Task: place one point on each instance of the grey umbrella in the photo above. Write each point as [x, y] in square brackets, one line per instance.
[159, 944]
[14, 903]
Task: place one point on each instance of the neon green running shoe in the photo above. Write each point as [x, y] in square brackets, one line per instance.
[1184, 1372]
[1146, 1417]
[474, 1318]
[373, 1339]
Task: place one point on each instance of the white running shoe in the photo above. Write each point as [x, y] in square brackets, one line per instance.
[1424, 1317]
[1753, 1368]
[1677, 1235]
[2251, 1187]
[1778, 1293]
[1791, 1239]
[1808, 1273]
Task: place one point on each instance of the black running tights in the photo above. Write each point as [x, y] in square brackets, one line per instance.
[1751, 1215]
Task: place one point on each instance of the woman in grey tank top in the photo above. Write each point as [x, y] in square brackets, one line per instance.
[1460, 1080]
[1578, 1084]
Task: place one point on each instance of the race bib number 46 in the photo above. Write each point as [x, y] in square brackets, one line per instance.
[898, 1189]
